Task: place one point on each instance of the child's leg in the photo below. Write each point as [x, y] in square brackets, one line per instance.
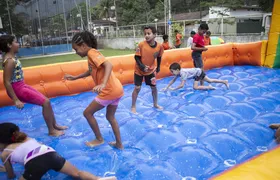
[199, 87]
[110, 115]
[89, 115]
[274, 126]
[155, 97]
[49, 119]
[134, 98]
[225, 82]
[71, 170]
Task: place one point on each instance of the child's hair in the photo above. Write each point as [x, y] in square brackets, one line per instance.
[151, 28]
[165, 37]
[193, 33]
[176, 31]
[85, 37]
[175, 66]
[4, 41]
[10, 133]
[204, 27]
[208, 33]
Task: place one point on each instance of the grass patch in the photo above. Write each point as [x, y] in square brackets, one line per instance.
[68, 58]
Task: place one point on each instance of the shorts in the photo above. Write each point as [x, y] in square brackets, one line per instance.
[105, 103]
[149, 79]
[28, 94]
[201, 77]
[197, 59]
[177, 46]
[37, 167]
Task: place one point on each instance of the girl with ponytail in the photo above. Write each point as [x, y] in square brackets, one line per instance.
[108, 87]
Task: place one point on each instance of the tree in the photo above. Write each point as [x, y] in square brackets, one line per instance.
[104, 8]
[266, 5]
[17, 21]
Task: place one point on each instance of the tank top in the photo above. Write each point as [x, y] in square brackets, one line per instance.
[27, 151]
[17, 72]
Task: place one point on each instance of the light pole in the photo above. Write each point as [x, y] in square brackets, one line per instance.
[65, 24]
[40, 27]
[169, 22]
[156, 23]
[8, 9]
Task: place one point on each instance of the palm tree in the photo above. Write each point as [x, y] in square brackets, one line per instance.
[105, 6]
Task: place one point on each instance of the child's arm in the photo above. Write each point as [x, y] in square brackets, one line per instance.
[171, 82]
[72, 78]
[108, 69]
[198, 48]
[7, 75]
[158, 64]
[8, 166]
[180, 86]
[140, 64]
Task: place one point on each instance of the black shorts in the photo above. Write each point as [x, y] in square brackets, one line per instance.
[201, 77]
[197, 59]
[148, 79]
[37, 167]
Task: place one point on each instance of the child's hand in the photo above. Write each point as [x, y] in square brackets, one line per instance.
[2, 169]
[19, 104]
[205, 49]
[69, 77]
[164, 89]
[146, 69]
[98, 88]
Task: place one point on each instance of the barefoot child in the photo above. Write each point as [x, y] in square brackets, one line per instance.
[37, 158]
[146, 53]
[108, 87]
[191, 73]
[20, 92]
[277, 133]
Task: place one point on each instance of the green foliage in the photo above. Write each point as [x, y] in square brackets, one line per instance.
[19, 28]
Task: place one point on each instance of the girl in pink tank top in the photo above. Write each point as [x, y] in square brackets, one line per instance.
[37, 158]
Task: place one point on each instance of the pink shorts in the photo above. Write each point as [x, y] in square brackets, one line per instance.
[105, 103]
[28, 94]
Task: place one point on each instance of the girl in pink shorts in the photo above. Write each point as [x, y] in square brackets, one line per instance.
[20, 92]
[108, 87]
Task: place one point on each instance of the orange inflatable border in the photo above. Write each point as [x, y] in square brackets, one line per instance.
[49, 80]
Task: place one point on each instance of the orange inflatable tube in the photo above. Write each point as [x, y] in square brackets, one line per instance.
[49, 79]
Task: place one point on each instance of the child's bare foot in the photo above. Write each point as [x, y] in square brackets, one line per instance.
[274, 126]
[211, 87]
[56, 133]
[116, 145]
[158, 107]
[94, 143]
[133, 110]
[226, 83]
[60, 128]
[107, 178]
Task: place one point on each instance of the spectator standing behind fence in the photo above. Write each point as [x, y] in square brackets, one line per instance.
[207, 39]
[190, 39]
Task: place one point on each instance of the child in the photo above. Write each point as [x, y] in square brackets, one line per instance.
[20, 92]
[198, 46]
[178, 39]
[277, 133]
[191, 73]
[207, 39]
[37, 158]
[165, 43]
[146, 53]
[190, 39]
[108, 87]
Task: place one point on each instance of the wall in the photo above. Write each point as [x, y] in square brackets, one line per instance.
[129, 43]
